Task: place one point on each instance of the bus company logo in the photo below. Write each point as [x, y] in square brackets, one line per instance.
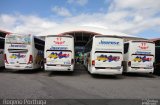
[18, 45]
[109, 58]
[59, 41]
[59, 55]
[108, 42]
[14, 56]
[140, 52]
[58, 48]
[143, 46]
[142, 59]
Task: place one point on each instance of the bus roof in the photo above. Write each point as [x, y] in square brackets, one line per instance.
[113, 36]
[154, 40]
[149, 41]
[60, 36]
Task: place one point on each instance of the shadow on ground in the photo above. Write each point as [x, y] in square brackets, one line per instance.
[25, 71]
[81, 70]
[78, 70]
[60, 73]
[147, 75]
[97, 76]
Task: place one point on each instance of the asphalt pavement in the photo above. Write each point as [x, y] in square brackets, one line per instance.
[80, 84]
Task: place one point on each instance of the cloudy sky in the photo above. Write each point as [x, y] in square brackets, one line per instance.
[135, 17]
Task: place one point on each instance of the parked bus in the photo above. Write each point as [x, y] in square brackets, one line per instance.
[1, 52]
[157, 55]
[104, 55]
[139, 56]
[23, 52]
[59, 53]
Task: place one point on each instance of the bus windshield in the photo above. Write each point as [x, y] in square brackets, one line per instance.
[15, 39]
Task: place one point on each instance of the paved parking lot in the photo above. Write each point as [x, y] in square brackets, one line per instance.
[77, 85]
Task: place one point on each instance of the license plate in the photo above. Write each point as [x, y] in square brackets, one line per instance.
[58, 65]
[17, 66]
[11, 62]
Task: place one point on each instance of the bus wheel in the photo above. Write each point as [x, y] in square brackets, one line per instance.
[88, 67]
[71, 72]
[42, 67]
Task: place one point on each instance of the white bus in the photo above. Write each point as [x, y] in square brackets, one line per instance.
[139, 56]
[23, 52]
[59, 53]
[104, 55]
[1, 52]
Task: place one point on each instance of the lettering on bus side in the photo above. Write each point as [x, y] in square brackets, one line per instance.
[39, 57]
[141, 52]
[108, 42]
[18, 45]
[58, 48]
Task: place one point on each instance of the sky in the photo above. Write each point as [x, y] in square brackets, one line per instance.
[134, 17]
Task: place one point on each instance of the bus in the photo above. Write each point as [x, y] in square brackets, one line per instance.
[59, 53]
[23, 52]
[104, 55]
[139, 56]
[157, 55]
[1, 52]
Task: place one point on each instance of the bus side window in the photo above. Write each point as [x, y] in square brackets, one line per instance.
[157, 51]
[126, 46]
[39, 44]
[157, 43]
[88, 47]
